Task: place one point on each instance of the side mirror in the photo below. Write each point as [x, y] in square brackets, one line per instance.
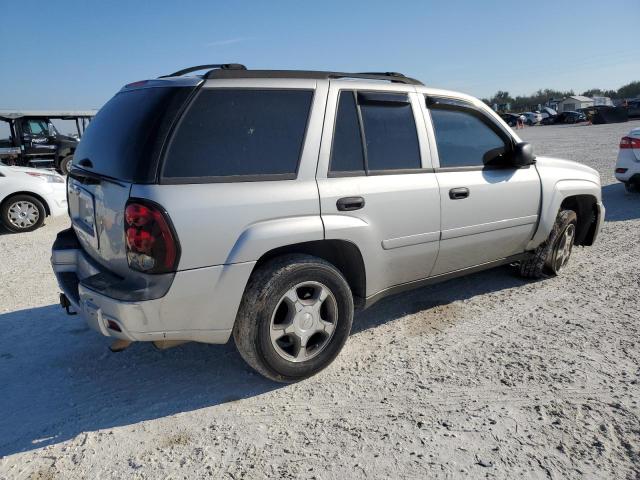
[523, 155]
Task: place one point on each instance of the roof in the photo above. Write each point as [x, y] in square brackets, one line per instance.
[580, 98]
[62, 114]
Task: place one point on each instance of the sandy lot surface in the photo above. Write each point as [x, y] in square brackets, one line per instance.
[485, 376]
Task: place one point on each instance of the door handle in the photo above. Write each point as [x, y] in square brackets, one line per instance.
[348, 204]
[458, 193]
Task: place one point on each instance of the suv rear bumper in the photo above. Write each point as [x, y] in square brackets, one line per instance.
[199, 305]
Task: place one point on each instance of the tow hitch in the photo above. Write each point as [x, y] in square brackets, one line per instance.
[66, 304]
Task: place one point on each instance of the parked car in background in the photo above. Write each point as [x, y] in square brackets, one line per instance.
[28, 195]
[268, 204]
[601, 114]
[633, 108]
[566, 117]
[628, 164]
[548, 112]
[511, 119]
[532, 118]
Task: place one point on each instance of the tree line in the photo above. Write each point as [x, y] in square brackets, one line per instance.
[630, 90]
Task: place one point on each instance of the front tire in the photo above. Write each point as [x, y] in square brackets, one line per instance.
[22, 213]
[295, 317]
[552, 256]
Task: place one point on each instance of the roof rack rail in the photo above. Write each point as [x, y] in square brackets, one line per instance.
[385, 74]
[214, 66]
[394, 77]
[315, 75]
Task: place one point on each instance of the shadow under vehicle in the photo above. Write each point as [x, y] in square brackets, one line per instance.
[35, 142]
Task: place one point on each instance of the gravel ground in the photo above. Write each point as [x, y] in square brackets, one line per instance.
[485, 376]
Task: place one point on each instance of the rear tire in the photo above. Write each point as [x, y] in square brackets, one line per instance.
[632, 187]
[294, 318]
[65, 165]
[22, 213]
[550, 258]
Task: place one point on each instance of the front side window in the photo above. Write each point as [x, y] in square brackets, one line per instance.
[374, 132]
[464, 140]
[37, 127]
[240, 132]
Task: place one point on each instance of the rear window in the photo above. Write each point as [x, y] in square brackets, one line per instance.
[124, 139]
[244, 134]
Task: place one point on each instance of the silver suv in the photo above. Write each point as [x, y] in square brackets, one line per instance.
[269, 204]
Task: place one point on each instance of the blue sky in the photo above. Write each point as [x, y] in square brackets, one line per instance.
[77, 54]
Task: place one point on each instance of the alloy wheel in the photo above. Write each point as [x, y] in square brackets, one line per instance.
[563, 248]
[303, 321]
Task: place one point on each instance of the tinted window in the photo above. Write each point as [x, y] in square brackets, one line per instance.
[390, 133]
[463, 139]
[240, 132]
[124, 139]
[38, 127]
[347, 154]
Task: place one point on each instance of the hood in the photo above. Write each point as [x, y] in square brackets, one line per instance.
[13, 170]
[571, 170]
[67, 140]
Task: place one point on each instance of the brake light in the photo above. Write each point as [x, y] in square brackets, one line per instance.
[630, 142]
[139, 83]
[152, 246]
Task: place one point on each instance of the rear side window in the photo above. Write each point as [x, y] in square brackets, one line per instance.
[390, 133]
[124, 139]
[463, 139]
[240, 133]
[347, 154]
[390, 140]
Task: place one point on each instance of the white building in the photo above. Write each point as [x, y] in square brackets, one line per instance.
[606, 101]
[574, 103]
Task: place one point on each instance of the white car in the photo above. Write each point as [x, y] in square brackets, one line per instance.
[532, 118]
[628, 165]
[28, 195]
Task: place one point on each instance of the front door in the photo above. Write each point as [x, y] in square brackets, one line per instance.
[489, 208]
[36, 138]
[376, 186]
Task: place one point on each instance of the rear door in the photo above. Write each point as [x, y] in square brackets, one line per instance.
[376, 186]
[489, 208]
[121, 147]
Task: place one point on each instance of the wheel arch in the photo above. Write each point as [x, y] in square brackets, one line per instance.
[343, 254]
[585, 206]
[31, 194]
[582, 196]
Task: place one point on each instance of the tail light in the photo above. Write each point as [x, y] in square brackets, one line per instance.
[152, 245]
[630, 142]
